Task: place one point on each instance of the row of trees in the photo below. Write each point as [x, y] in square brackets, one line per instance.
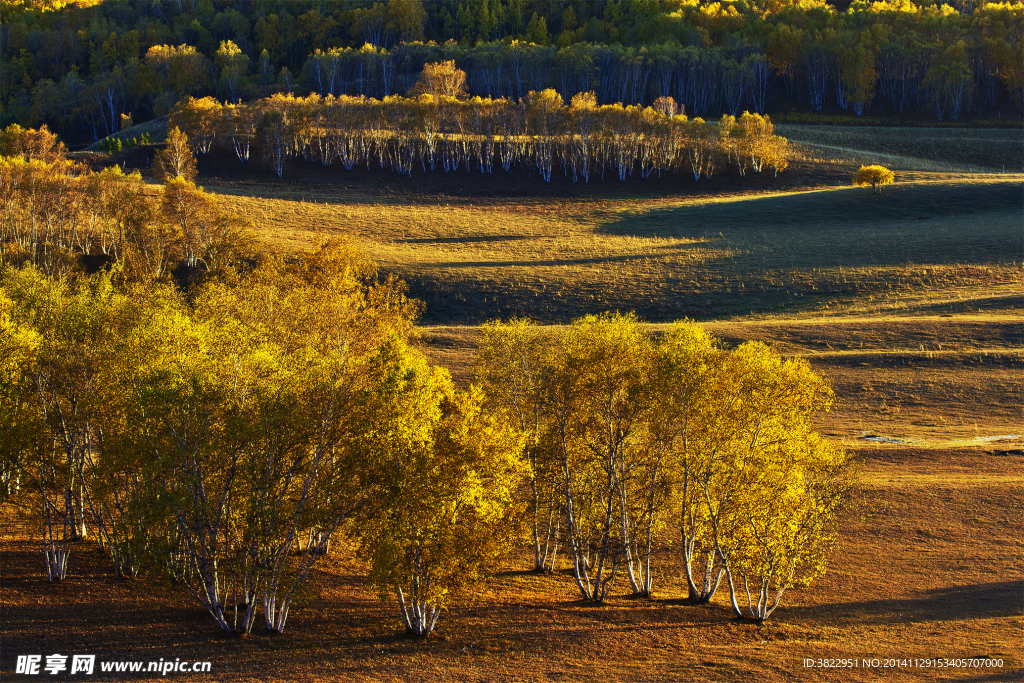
[539, 133]
[79, 68]
[850, 67]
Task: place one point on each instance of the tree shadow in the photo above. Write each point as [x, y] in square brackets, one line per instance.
[592, 261]
[979, 601]
[970, 304]
[520, 572]
[468, 239]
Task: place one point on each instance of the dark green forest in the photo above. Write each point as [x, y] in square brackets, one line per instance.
[88, 69]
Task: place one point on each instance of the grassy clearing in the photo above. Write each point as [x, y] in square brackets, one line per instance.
[912, 149]
[930, 381]
[156, 128]
[931, 245]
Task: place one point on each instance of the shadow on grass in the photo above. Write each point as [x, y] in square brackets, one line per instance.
[849, 227]
[521, 572]
[467, 239]
[813, 210]
[971, 304]
[594, 261]
[980, 601]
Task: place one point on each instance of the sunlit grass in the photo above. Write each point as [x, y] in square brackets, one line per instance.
[935, 245]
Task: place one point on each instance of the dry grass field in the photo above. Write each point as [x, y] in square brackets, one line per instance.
[932, 244]
[928, 566]
[924, 381]
[910, 302]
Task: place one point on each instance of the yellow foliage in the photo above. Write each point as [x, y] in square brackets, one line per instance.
[875, 176]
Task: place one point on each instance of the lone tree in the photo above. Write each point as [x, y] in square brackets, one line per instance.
[875, 176]
[176, 160]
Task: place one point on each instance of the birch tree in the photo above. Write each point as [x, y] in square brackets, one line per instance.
[444, 476]
[176, 159]
[595, 398]
[689, 381]
[774, 486]
[511, 366]
[791, 527]
[18, 348]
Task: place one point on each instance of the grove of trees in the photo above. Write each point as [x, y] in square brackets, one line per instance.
[539, 134]
[630, 439]
[81, 66]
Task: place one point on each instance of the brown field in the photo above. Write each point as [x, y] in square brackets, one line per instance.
[909, 302]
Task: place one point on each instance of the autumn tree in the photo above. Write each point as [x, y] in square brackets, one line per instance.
[39, 209]
[791, 524]
[241, 124]
[584, 136]
[18, 426]
[200, 120]
[205, 235]
[702, 148]
[249, 424]
[441, 79]
[444, 476]
[596, 398]
[755, 490]
[875, 176]
[75, 377]
[783, 483]
[38, 144]
[544, 111]
[182, 68]
[176, 159]
[691, 381]
[117, 209]
[234, 67]
[512, 362]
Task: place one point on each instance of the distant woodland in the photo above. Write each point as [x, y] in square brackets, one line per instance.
[86, 68]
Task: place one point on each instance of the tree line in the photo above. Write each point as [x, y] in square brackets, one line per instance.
[79, 66]
[435, 130]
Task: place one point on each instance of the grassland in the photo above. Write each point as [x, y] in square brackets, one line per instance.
[923, 381]
[935, 243]
[912, 149]
[909, 301]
